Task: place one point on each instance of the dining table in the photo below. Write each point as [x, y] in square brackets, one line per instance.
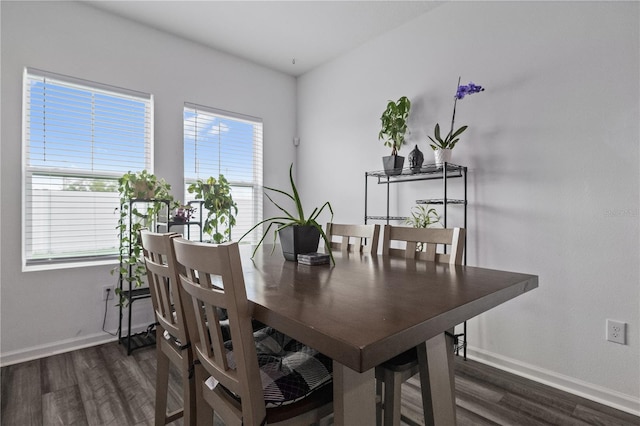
[364, 309]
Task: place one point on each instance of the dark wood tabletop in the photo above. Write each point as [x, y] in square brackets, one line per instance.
[366, 309]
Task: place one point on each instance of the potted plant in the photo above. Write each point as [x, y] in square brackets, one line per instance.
[299, 234]
[422, 216]
[221, 209]
[394, 126]
[183, 214]
[153, 197]
[442, 146]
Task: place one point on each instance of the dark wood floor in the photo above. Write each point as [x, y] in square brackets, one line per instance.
[103, 386]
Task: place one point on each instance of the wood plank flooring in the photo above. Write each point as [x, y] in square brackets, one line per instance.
[101, 385]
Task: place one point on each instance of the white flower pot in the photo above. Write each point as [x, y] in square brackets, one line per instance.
[442, 156]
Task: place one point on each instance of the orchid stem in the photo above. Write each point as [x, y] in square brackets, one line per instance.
[455, 102]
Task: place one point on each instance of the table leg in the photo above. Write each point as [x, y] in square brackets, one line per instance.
[439, 402]
[354, 396]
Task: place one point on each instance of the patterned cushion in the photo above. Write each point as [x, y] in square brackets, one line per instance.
[226, 331]
[289, 370]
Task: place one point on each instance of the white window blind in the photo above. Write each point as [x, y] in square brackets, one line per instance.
[79, 137]
[220, 142]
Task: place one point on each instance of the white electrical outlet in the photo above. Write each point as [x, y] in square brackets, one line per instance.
[616, 331]
[108, 292]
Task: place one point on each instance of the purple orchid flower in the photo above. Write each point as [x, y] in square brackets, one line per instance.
[461, 93]
[468, 90]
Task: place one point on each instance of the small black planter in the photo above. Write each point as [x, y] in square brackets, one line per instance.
[297, 240]
[393, 164]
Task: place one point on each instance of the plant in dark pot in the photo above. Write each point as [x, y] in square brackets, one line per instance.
[299, 234]
[221, 209]
[394, 126]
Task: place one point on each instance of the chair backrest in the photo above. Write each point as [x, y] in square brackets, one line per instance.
[355, 238]
[429, 238]
[167, 295]
[212, 275]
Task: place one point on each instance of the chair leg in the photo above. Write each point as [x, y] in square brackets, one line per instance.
[392, 398]
[425, 384]
[204, 412]
[379, 402]
[162, 386]
[188, 391]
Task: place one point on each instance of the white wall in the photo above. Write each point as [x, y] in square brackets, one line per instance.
[553, 161]
[48, 311]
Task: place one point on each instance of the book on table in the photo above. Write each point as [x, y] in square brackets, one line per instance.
[313, 258]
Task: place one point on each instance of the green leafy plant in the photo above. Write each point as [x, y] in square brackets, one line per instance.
[394, 123]
[151, 195]
[289, 219]
[449, 141]
[221, 209]
[422, 216]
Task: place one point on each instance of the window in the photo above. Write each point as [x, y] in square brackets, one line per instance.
[79, 137]
[219, 142]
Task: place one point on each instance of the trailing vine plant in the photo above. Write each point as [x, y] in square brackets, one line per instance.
[152, 194]
[221, 209]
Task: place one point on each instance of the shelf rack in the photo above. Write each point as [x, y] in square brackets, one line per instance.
[188, 224]
[134, 341]
[428, 172]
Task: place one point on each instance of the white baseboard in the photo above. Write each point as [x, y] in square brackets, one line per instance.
[49, 349]
[599, 394]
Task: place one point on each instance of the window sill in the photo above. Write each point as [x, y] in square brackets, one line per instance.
[68, 265]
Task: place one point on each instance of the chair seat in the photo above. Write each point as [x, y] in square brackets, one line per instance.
[321, 397]
[267, 369]
[405, 361]
[289, 370]
[224, 326]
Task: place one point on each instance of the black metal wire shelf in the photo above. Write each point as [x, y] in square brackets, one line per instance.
[441, 201]
[386, 217]
[459, 344]
[429, 171]
[139, 340]
[136, 293]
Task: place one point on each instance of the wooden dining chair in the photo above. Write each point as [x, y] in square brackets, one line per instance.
[173, 343]
[413, 243]
[256, 378]
[354, 238]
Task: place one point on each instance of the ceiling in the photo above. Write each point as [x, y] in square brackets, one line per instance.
[290, 36]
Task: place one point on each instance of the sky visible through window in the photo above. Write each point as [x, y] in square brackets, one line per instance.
[215, 145]
[78, 129]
